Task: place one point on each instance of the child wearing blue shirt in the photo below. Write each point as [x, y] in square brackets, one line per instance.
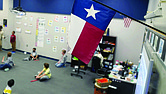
[62, 61]
[8, 63]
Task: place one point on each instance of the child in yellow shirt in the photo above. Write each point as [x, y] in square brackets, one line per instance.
[45, 74]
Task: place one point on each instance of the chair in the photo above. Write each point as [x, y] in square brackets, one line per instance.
[95, 64]
[78, 70]
[96, 67]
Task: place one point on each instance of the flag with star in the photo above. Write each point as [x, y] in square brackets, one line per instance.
[89, 20]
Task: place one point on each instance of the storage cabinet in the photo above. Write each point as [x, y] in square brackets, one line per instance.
[107, 48]
[75, 61]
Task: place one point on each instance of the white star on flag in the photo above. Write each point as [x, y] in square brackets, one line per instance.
[91, 12]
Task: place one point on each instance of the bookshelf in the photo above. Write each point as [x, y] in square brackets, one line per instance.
[107, 48]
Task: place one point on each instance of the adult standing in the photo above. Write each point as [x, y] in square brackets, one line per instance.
[1, 36]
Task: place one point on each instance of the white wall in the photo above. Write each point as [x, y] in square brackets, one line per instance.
[158, 22]
[5, 14]
[129, 40]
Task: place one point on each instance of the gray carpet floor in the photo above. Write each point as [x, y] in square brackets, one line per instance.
[60, 83]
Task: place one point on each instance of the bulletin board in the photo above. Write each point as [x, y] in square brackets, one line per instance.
[46, 32]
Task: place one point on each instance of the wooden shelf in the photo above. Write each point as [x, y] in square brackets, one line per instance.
[111, 47]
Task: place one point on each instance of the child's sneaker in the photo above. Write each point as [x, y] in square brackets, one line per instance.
[6, 69]
[13, 52]
[26, 59]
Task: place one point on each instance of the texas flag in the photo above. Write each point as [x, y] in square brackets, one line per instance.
[89, 20]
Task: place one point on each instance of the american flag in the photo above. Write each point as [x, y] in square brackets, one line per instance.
[127, 22]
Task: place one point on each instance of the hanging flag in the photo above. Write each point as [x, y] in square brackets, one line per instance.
[127, 22]
[89, 20]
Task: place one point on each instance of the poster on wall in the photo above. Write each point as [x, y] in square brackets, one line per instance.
[56, 19]
[28, 32]
[48, 41]
[63, 29]
[161, 47]
[152, 39]
[150, 36]
[56, 29]
[155, 43]
[54, 49]
[18, 29]
[65, 19]
[56, 38]
[46, 32]
[40, 30]
[30, 25]
[50, 23]
[62, 39]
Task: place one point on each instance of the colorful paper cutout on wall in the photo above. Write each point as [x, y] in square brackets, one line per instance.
[56, 19]
[48, 41]
[63, 29]
[56, 29]
[46, 32]
[28, 32]
[54, 48]
[30, 25]
[65, 19]
[50, 23]
[18, 29]
[56, 38]
[62, 39]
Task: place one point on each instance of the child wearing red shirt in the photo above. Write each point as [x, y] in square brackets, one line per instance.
[13, 42]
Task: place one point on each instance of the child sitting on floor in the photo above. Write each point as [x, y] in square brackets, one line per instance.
[34, 55]
[45, 74]
[8, 89]
[62, 61]
[8, 63]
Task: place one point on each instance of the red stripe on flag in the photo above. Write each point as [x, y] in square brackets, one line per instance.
[87, 42]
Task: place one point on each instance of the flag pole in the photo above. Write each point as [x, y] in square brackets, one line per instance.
[131, 17]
